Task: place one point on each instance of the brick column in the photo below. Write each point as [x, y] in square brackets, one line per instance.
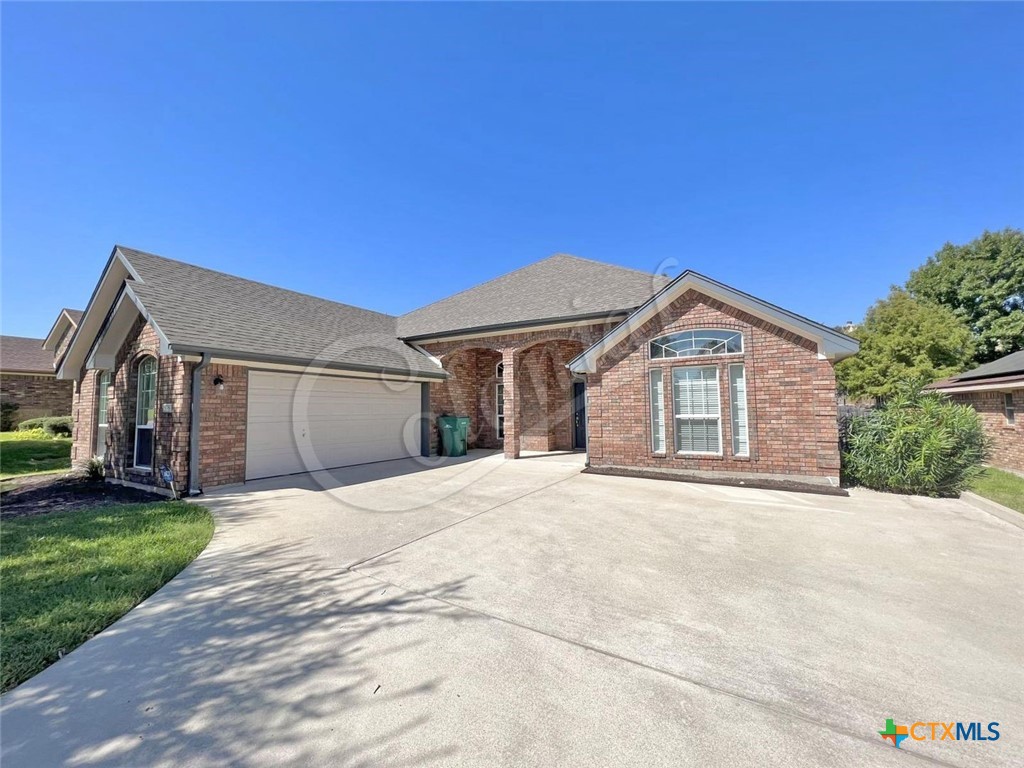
[512, 438]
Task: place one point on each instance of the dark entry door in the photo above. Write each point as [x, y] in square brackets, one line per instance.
[579, 415]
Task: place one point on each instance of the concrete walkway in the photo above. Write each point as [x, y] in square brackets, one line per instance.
[518, 613]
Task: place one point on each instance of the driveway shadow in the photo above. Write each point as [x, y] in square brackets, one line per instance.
[249, 656]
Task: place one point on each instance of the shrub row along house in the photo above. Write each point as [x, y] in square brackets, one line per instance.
[996, 391]
[29, 387]
[224, 380]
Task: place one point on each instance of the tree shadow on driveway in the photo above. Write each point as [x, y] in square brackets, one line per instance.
[248, 657]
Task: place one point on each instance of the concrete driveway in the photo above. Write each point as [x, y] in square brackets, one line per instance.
[520, 613]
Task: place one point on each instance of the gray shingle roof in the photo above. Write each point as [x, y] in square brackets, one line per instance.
[202, 310]
[1004, 366]
[558, 287]
[19, 353]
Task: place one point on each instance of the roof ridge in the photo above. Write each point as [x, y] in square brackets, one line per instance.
[253, 282]
[556, 255]
[643, 272]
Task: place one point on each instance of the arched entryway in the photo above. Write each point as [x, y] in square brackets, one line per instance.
[518, 396]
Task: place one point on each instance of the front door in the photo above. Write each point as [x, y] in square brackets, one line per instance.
[579, 415]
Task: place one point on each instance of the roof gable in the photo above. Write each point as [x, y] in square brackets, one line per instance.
[196, 310]
[558, 288]
[831, 344]
[66, 322]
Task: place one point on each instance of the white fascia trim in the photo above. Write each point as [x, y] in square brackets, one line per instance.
[435, 360]
[165, 345]
[256, 365]
[1008, 386]
[128, 265]
[87, 317]
[106, 361]
[50, 342]
[831, 345]
[610, 318]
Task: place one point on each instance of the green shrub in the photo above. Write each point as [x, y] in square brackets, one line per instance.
[918, 443]
[24, 435]
[95, 470]
[7, 411]
[53, 426]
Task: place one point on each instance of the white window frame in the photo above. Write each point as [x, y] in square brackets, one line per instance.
[1009, 409]
[149, 426]
[499, 400]
[696, 352]
[733, 415]
[102, 409]
[677, 417]
[657, 409]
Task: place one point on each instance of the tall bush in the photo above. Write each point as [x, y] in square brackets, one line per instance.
[918, 443]
[54, 426]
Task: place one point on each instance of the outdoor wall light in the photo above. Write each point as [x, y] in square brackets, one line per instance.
[218, 382]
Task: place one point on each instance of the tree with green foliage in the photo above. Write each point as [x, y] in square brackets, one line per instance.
[903, 339]
[983, 283]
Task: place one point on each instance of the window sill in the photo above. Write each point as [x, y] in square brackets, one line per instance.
[698, 455]
[142, 470]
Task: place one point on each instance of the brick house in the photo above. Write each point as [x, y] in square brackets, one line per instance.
[224, 380]
[29, 387]
[996, 391]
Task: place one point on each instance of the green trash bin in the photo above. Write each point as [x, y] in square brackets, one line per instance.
[454, 434]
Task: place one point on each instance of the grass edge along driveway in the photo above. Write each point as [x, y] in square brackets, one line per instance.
[65, 577]
[1002, 487]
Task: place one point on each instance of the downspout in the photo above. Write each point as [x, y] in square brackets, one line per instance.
[193, 430]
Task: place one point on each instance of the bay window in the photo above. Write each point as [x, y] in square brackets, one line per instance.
[698, 410]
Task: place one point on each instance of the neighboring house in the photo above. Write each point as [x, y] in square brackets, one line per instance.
[224, 380]
[996, 391]
[29, 387]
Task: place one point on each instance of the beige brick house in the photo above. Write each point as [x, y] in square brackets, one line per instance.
[223, 380]
[29, 387]
[996, 391]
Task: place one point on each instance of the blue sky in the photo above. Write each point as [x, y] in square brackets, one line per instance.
[387, 155]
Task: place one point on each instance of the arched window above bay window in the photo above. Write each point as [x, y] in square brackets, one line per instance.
[702, 342]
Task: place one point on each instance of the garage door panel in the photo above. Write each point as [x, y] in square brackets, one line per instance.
[297, 425]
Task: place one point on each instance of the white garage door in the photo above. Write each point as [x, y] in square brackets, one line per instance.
[304, 423]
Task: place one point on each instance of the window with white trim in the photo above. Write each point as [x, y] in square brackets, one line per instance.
[702, 342]
[657, 390]
[499, 399]
[102, 396]
[145, 413]
[698, 410]
[738, 402]
[1008, 410]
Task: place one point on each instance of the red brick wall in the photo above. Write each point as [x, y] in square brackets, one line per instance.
[63, 343]
[534, 365]
[790, 398]
[1007, 439]
[222, 425]
[35, 395]
[83, 432]
[171, 429]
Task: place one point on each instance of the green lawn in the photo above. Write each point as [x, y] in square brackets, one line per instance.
[32, 453]
[1005, 488]
[64, 577]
